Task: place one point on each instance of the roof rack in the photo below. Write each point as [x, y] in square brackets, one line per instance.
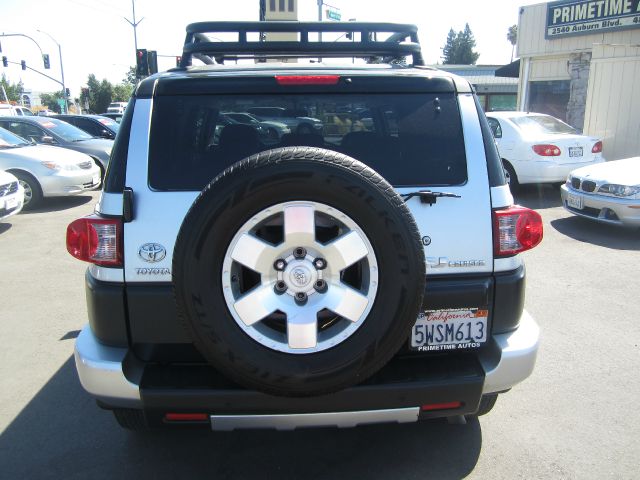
[402, 42]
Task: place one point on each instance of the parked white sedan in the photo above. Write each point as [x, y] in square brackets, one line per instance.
[538, 148]
[45, 171]
[11, 195]
[608, 193]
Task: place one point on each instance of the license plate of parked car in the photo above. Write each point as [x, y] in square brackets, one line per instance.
[575, 151]
[574, 201]
[449, 329]
[11, 203]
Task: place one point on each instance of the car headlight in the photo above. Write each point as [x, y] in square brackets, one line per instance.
[51, 165]
[619, 190]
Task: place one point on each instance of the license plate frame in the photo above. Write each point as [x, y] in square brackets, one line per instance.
[575, 201]
[450, 329]
[576, 152]
[10, 203]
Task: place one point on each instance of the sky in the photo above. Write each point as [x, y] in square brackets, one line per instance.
[95, 37]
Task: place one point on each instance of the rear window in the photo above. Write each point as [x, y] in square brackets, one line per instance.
[410, 139]
[535, 124]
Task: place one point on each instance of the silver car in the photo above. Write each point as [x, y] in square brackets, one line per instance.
[45, 171]
[607, 192]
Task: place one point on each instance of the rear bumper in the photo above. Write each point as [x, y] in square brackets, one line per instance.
[543, 171]
[117, 379]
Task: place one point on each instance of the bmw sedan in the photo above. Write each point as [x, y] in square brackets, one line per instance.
[45, 171]
[538, 148]
[51, 131]
[608, 192]
[11, 195]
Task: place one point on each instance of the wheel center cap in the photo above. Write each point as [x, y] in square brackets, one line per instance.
[299, 276]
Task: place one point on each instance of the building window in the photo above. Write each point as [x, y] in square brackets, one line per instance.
[272, 5]
[550, 97]
[281, 5]
[291, 5]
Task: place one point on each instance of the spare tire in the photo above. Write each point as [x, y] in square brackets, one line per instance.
[298, 271]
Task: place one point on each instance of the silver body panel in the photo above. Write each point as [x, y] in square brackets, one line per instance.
[228, 423]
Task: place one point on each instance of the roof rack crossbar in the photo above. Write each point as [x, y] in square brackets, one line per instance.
[402, 42]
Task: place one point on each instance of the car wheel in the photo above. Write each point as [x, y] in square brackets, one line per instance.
[298, 271]
[32, 189]
[130, 418]
[512, 178]
[304, 129]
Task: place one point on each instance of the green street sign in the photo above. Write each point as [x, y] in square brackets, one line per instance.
[333, 15]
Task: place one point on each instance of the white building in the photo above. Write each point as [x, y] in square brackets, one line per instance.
[580, 61]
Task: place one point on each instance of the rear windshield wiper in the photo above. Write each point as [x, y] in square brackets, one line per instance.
[427, 196]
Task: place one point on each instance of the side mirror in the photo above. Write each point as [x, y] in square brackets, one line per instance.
[107, 134]
[48, 140]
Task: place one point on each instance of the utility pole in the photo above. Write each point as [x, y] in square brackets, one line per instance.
[64, 88]
[134, 24]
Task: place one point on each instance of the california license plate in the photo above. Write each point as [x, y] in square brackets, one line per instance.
[96, 179]
[575, 201]
[575, 151]
[449, 329]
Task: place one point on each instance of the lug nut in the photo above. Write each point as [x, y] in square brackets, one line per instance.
[320, 263]
[280, 265]
[280, 287]
[301, 298]
[320, 286]
[300, 252]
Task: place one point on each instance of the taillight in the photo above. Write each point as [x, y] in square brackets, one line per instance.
[96, 240]
[597, 148]
[547, 150]
[515, 230]
[307, 79]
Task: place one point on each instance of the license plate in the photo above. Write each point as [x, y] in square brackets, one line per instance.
[575, 151]
[11, 203]
[575, 201]
[96, 179]
[450, 329]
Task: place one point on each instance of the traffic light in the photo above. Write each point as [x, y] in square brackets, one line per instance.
[5, 62]
[67, 92]
[152, 61]
[23, 64]
[45, 59]
[142, 63]
[178, 60]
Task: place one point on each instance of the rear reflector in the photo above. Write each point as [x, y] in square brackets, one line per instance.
[440, 406]
[307, 79]
[547, 150]
[186, 417]
[96, 240]
[515, 230]
[597, 148]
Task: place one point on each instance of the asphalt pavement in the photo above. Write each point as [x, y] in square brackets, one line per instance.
[574, 418]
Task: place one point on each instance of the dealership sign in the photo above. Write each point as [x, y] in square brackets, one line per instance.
[584, 17]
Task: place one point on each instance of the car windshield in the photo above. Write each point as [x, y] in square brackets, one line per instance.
[10, 140]
[110, 124]
[242, 118]
[536, 124]
[64, 130]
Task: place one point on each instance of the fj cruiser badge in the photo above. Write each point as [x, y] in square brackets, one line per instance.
[152, 252]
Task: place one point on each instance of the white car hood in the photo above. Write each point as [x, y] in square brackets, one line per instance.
[621, 172]
[6, 177]
[43, 153]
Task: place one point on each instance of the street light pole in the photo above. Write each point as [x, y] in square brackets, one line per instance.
[134, 24]
[64, 88]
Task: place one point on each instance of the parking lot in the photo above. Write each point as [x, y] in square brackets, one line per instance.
[576, 417]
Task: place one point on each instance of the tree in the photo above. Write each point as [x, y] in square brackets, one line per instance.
[131, 79]
[50, 100]
[459, 48]
[14, 90]
[512, 36]
[122, 92]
